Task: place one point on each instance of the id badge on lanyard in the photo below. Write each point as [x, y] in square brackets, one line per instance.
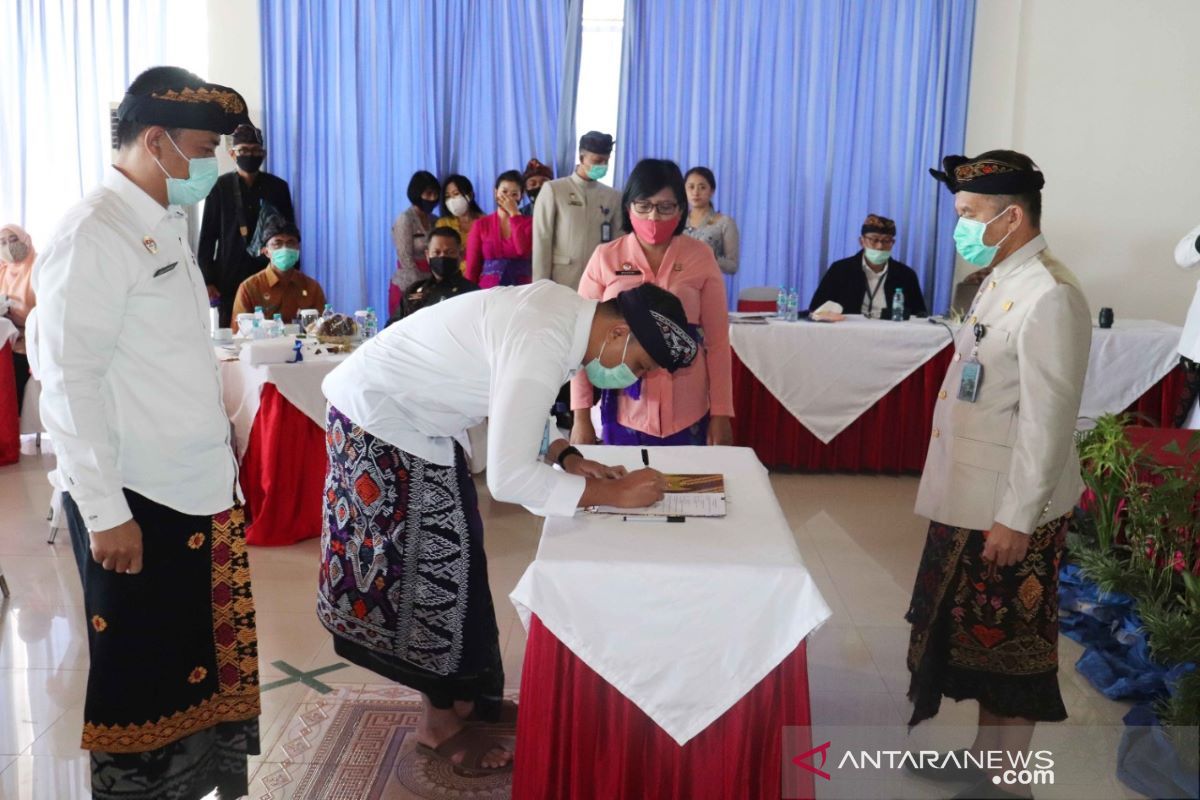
[972, 371]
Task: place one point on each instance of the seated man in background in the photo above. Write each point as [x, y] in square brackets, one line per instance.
[865, 282]
[281, 288]
[445, 275]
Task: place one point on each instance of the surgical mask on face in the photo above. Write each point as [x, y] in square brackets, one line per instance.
[284, 258]
[202, 176]
[618, 377]
[12, 252]
[968, 240]
[877, 257]
[597, 171]
[457, 205]
[533, 193]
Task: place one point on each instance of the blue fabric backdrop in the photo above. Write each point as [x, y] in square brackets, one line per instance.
[359, 94]
[811, 114]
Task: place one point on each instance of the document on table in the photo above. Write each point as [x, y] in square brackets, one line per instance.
[686, 496]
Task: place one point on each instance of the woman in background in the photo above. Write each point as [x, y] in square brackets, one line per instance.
[694, 405]
[410, 233]
[500, 245]
[16, 296]
[705, 223]
[458, 203]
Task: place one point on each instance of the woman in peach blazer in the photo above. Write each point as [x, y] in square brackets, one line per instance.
[695, 405]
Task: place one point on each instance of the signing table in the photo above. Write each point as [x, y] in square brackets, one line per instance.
[664, 660]
[859, 395]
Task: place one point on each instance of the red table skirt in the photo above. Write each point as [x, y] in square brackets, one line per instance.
[283, 473]
[579, 738]
[10, 420]
[891, 437]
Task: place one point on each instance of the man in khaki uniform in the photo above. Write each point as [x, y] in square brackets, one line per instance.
[574, 214]
[1002, 475]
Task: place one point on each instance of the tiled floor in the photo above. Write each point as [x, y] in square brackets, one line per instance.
[858, 536]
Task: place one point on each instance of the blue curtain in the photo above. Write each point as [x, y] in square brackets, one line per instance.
[360, 94]
[61, 65]
[811, 114]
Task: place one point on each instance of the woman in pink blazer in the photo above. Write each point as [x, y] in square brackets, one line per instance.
[694, 405]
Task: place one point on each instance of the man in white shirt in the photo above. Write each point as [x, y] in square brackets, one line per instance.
[1187, 256]
[132, 396]
[1002, 476]
[403, 580]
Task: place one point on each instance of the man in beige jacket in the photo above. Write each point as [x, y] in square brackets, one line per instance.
[1002, 475]
[574, 214]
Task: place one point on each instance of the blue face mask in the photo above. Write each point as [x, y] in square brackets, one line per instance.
[618, 377]
[968, 240]
[202, 176]
[597, 171]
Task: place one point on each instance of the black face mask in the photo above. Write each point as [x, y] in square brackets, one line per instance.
[427, 205]
[443, 267]
[533, 193]
[249, 164]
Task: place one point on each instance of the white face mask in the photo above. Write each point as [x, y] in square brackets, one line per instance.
[457, 205]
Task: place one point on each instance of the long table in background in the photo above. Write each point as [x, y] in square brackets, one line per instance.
[278, 416]
[858, 395]
[665, 660]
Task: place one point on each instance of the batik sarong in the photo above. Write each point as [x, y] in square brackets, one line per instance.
[172, 699]
[403, 585]
[984, 632]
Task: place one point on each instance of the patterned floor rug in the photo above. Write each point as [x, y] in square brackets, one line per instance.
[363, 748]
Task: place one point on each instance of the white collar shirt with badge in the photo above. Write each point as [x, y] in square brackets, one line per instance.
[874, 300]
[131, 392]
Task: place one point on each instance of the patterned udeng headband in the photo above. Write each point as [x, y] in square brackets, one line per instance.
[208, 108]
[987, 176]
[667, 342]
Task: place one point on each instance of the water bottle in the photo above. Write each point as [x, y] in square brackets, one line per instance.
[372, 326]
[793, 305]
[277, 328]
[256, 331]
[898, 305]
[781, 301]
[214, 316]
[258, 313]
[328, 312]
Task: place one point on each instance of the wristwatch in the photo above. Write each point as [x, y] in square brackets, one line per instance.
[567, 451]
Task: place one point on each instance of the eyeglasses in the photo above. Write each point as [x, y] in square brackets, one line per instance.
[881, 241]
[667, 208]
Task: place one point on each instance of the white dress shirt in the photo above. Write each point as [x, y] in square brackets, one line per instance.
[130, 387]
[502, 355]
[1188, 257]
[874, 300]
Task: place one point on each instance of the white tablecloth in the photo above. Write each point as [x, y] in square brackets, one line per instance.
[682, 619]
[828, 375]
[300, 385]
[1127, 359]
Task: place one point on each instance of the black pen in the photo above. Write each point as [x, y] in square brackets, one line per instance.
[645, 457]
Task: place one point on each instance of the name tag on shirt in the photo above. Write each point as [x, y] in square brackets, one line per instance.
[628, 269]
[972, 376]
[166, 269]
[574, 200]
